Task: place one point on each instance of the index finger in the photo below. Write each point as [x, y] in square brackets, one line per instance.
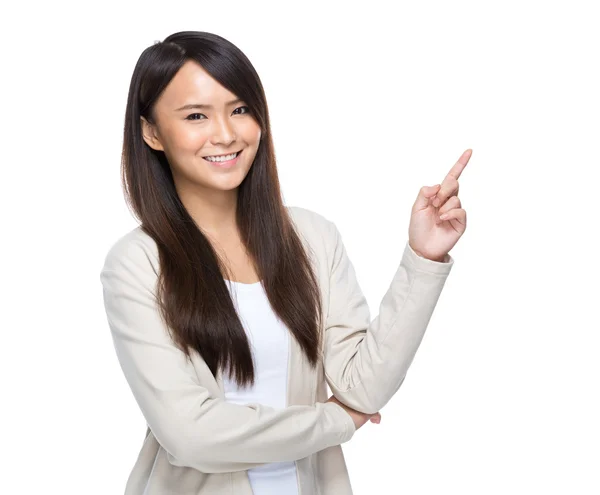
[460, 165]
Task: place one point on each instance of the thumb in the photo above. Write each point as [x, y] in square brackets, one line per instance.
[425, 193]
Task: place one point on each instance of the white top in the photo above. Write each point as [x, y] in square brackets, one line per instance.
[269, 338]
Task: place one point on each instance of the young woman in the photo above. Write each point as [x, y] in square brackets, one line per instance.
[231, 312]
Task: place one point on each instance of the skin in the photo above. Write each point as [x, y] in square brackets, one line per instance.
[209, 193]
[431, 234]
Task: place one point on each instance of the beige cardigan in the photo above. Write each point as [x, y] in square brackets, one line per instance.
[198, 443]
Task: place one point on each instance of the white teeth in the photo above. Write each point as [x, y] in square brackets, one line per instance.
[221, 158]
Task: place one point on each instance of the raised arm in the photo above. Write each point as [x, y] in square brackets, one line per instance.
[366, 361]
[197, 428]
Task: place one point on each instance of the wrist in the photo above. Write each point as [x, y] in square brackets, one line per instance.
[438, 260]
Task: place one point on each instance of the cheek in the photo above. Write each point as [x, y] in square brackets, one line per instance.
[187, 139]
[251, 133]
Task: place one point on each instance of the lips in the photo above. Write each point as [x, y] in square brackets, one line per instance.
[225, 164]
[237, 153]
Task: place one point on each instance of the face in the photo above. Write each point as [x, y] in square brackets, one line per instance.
[213, 122]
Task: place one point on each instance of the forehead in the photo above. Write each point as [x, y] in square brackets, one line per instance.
[192, 84]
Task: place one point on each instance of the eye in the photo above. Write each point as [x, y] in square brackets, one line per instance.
[247, 109]
[188, 117]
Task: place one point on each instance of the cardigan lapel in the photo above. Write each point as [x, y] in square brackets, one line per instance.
[300, 377]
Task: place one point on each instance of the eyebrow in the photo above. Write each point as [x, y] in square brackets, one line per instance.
[189, 106]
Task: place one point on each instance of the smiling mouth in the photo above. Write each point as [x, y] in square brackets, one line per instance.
[237, 153]
[225, 163]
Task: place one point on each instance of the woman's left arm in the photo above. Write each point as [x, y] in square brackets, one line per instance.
[366, 361]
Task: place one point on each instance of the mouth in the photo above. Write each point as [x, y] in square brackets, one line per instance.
[220, 162]
[223, 154]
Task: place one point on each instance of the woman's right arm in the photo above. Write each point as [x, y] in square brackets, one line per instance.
[196, 428]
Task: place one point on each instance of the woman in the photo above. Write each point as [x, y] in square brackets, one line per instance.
[230, 312]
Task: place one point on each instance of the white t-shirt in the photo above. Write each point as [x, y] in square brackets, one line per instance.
[269, 338]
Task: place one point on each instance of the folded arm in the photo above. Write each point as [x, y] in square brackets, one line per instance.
[198, 428]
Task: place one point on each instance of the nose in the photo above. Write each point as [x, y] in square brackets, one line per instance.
[224, 133]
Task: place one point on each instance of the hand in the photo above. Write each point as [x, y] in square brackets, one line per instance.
[432, 237]
[359, 418]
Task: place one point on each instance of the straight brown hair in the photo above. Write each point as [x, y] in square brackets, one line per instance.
[192, 295]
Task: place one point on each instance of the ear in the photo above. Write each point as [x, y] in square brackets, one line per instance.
[150, 135]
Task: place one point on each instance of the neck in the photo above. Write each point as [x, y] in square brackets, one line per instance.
[214, 211]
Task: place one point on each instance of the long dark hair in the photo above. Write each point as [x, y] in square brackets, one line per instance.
[192, 295]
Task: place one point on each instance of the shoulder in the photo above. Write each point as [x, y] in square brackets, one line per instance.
[310, 221]
[319, 232]
[134, 250]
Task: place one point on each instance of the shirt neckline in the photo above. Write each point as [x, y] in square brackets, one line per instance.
[242, 284]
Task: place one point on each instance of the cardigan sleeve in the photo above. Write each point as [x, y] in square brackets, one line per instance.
[198, 428]
[366, 361]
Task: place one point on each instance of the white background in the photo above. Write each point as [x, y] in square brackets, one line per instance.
[368, 103]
